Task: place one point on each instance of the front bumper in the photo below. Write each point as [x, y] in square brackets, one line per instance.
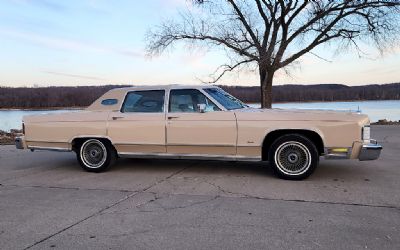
[370, 151]
[20, 142]
[361, 150]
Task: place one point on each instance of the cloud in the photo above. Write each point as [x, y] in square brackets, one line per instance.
[48, 4]
[74, 75]
[129, 53]
[68, 44]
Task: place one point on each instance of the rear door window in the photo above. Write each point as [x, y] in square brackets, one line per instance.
[150, 101]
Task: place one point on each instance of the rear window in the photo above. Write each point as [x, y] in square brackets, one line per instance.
[151, 101]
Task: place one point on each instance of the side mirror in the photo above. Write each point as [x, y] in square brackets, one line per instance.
[201, 107]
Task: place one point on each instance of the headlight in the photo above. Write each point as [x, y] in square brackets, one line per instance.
[366, 133]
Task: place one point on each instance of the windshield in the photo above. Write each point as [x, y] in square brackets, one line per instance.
[225, 99]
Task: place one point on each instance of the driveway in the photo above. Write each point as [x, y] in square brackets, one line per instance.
[48, 202]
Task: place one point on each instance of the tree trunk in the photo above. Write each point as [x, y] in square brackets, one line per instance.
[266, 78]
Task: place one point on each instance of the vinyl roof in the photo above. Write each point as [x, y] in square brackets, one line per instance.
[169, 86]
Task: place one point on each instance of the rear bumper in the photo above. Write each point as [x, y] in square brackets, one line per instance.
[370, 151]
[20, 142]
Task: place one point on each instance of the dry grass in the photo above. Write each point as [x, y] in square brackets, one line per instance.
[7, 138]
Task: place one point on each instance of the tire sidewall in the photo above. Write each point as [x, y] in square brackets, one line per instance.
[110, 158]
[302, 140]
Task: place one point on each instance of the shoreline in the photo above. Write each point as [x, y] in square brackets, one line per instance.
[327, 101]
[251, 103]
[42, 109]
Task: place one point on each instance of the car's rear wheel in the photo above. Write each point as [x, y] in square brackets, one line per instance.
[95, 155]
[293, 157]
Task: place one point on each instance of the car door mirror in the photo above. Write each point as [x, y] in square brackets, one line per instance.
[201, 107]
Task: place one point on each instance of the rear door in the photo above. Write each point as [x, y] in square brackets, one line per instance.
[139, 127]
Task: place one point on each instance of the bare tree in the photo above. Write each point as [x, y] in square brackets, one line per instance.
[272, 34]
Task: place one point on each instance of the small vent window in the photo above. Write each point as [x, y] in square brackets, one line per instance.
[108, 102]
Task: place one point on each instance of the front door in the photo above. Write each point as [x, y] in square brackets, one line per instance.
[139, 127]
[190, 132]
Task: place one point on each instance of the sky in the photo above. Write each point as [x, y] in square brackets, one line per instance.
[96, 42]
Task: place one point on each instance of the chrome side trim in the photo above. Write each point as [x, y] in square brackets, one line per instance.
[173, 144]
[86, 136]
[315, 130]
[189, 156]
[337, 156]
[46, 141]
[200, 145]
[49, 148]
[136, 144]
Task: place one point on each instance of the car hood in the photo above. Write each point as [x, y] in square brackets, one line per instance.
[300, 115]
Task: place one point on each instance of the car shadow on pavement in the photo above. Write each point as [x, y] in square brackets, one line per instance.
[198, 166]
[326, 170]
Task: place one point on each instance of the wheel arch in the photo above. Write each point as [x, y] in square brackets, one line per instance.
[271, 136]
[77, 141]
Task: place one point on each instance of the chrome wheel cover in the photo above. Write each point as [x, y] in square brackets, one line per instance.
[93, 153]
[292, 158]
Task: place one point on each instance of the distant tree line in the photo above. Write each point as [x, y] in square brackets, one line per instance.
[319, 93]
[82, 96]
[51, 97]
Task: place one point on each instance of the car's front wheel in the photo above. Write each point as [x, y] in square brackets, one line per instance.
[95, 155]
[293, 157]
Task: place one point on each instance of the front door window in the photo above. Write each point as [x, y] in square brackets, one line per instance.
[187, 100]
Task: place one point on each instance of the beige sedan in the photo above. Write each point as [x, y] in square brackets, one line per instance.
[199, 122]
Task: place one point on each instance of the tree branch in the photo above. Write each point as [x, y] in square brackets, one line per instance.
[228, 68]
[245, 23]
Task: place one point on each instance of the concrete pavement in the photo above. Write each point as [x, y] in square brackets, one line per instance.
[47, 201]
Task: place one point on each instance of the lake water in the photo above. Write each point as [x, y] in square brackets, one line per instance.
[12, 119]
[376, 110]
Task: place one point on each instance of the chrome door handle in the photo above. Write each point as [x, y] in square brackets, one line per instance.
[117, 117]
[172, 117]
